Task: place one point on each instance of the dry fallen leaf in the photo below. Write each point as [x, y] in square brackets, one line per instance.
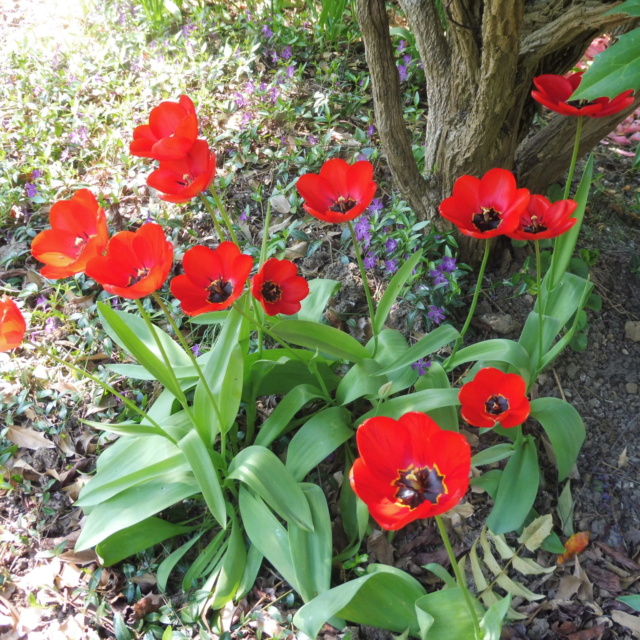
[627, 620]
[28, 438]
[623, 459]
[576, 544]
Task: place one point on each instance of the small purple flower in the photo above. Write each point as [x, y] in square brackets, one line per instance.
[262, 86]
[286, 53]
[363, 231]
[247, 117]
[391, 244]
[360, 157]
[244, 216]
[402, 71]
[240, 100]
[402, 45]
[42, 301]
[421, 366]
[249, 88]
[50, 324]
[438, 278]
[448, 264]
[266, 31]
[31, 190]
[79, 136]
[36, 173]
[115, 303]
[273, 94]
[391, 266]
[196, 350]
[370, 130]
[312, 140]
[274, 56]
[436, 314]
[291, 70]
[376, 205]
[407, 59]
[369, 261]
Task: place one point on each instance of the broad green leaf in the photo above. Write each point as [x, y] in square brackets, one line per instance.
[123, 428]
[436, 378]
[384, 598]
[197, 455]
[565, 429]
[354, 512]
[264, 473]
[488, 481]
[389, 347]
[493, 454]
[278, 421]
[630, 7]
[167, 565]
[251, 569]
[441, 572]
[565, 244]
[433, 341]
[212, 317]
[134, 505]
[530, 336]
[535, 533]
[632, 601]
[361, 380]
[137, 538]
[614, 70]
[231, 571]
[449, 615]
[567, 298]
[492, 351]
[210, 554]
[267, 535]
[565, 510]
[320, 436]
[517, 489]
[491, 623]
[313, 306]
[133, 335]
[393, 290]
[311, 551]
[424, 401]
[321, 337]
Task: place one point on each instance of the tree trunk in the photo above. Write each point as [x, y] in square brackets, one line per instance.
[478, 82]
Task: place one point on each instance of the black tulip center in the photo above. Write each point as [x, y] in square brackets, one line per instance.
[271, 291]
[487, 219]
[496, 405]
[219, 291]
[416, 486]
[343, 205]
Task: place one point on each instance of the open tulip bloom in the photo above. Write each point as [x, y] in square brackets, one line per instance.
[213, 279]
[494, 397]
[553, 91]
[136, 264]
[543, 220]
[184, 179]
[170, 134]
[78, 233]
[485, 207]
[340, 192]
[12, 324]
[279, 288]
[409, 469]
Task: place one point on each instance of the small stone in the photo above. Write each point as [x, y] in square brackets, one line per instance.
[632, 330]
[631, 387]
[594, 402]
[501, 323]
[625, 352]
[572, 370]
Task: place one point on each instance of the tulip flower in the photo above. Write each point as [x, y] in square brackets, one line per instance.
[340, 193]
[279, 288]
[553, 91]
[170, 134]
[494, 397]
[544, 220]
[181, 180]
[409, 469]
[136, 264]
[485, 207]
[12, 324]
[213, 279]
[78, 233]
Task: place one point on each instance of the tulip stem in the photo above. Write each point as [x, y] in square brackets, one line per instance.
[263, 259]
[107, 387]
[223, 213]
[474, 302]
[363, 275]
[190, 353]
[460, 579]
[539, 287]
[212, 213]
[574, 157]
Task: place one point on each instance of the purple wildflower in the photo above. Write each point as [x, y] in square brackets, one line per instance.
[31, 190]
[247, 117]
[402, 45]
[291, 70]
[421, 366]
[42, 301]
[240, 100]
[438, 277]
[274, 56]
[312, 140]
[50, 324]
[407, 59]
[36, 173]
[391, 244]
[274, 93]
[244, 216]
[436, 314]
[79, 136]
[286, 53]
[266, 31]
[196, 350]
[448, 264]
[402, 71]
[369, 261]
[262, 86]
[370, 130]
[376, 205]
[363, 231]
[249, 88]
[391, 266]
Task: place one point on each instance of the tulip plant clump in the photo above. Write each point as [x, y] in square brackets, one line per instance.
[396, 424]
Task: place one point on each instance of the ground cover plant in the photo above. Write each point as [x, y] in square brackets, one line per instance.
[232, 385]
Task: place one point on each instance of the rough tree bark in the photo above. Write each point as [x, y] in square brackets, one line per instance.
[478, 83]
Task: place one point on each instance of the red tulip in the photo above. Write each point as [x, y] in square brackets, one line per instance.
[12, 324]
[545, 220]
[554, 91]
[486, 207]
[170, 134]
[213, 279]
[409, 469]
[494, 397]
[341, 192]
[279, 288]
[78, 233]
[137, 263]
[181, 180]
